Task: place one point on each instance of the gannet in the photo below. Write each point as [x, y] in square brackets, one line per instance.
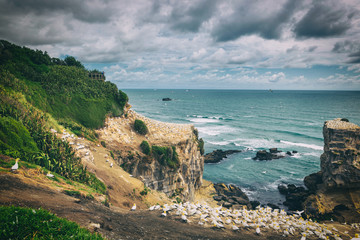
[16, 165]
[257, 230]
[303, 236]
[184, 218]
[163, 214]
[234, 227]
[111, 164]
[49, 175]
[133, 207]
[152, 208]
[356, 237]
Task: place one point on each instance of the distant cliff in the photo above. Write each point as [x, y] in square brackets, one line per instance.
[179, 179]
[336, 188]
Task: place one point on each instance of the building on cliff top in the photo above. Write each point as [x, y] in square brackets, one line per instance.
[97, 75]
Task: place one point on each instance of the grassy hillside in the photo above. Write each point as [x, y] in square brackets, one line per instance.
[38, 93]
[26, 223]
[59, 87]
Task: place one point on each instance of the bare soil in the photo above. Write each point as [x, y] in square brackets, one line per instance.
[115, 223]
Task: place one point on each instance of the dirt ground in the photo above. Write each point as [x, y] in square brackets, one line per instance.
[115, 223]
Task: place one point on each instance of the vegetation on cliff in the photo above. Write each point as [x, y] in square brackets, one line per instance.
[26, 223]
[38, 93]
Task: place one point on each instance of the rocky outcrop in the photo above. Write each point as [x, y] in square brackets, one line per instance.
[180, 179]
[295, 196]
[336, 188]
[340, 162]
[218, 155]
[273, 153]
[231, 196]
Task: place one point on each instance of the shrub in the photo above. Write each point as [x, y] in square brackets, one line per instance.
[103, 144]
[145, 191]
[201, 146]
[140, 127]
[166, 156]
[145, 147]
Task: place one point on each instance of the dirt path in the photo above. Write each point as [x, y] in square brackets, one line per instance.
[115, 223]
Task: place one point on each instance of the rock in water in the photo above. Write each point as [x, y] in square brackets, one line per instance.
[218, 155]
[166, 99]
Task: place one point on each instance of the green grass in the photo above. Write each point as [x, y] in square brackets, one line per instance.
[26, 223]
[145, 147]
[72, 193]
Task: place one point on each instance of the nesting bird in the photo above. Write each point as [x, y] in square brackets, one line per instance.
[133, 207]
[15, 166]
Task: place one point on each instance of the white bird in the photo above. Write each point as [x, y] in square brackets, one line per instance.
[356, 237]
[152, 208]
[133, 207]
[49, 175]
[163, 214]
[234, 227]
[257, 230]
[16, 165]
[111, 165]
[303, 236]
[184, 218]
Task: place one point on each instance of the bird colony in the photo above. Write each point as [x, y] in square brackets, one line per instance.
[259, 221]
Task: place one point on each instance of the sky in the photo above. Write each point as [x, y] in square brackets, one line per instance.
[198, 44]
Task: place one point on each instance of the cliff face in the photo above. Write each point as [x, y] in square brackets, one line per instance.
[181, 180]
[340, 162]
[336, 188]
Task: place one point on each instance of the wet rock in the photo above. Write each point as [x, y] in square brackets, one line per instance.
[273, 206]
[273, 153]
[166, 99]
[254, 204]
[218, 155]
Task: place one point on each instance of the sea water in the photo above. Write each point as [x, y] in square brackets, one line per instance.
[252, 120]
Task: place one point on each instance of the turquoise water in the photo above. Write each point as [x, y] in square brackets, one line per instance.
[250, 121]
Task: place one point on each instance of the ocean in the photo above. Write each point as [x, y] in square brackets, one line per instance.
[252, 120]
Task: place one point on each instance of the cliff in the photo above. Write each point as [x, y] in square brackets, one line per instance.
[336, 188]
[124, 142]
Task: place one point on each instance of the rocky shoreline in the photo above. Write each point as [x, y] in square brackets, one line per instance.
[218, 155]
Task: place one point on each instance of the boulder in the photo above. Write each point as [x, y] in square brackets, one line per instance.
[273, 153]
[295, 196]
[167, 99]
[231, 195]
[218, 155]
[313, 180]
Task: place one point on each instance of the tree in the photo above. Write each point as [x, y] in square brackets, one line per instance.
[71, 61]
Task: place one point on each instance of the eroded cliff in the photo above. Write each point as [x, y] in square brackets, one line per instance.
[182, 179]
[336, 188]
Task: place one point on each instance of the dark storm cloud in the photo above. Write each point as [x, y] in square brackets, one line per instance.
[352, 48]
[250, 17]
[86, 11]
[325, 19]
[190, 18]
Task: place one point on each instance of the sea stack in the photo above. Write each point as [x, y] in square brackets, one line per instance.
[340, 162]
[336, 188]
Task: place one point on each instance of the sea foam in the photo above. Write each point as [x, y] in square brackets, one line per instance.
[305, 145]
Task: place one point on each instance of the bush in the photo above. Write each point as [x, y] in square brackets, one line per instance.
[166, 156]
[140, 127]
[201, 146]
[145, 147]
[103, 144]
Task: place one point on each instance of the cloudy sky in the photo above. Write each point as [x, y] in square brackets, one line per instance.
[234, 44]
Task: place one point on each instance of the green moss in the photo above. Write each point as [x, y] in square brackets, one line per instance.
[140, 127]
[27, 223]
[72, 193]
[201, 146]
